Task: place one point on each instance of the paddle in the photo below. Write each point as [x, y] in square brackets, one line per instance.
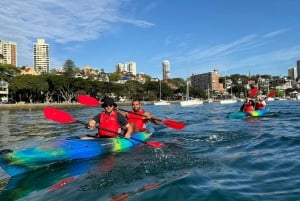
[90, 101]
[253, 92]
[63, 117]
[272, 93]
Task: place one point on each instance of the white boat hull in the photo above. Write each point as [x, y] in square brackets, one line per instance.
[228, 101]
[191, 103]
[162, 102]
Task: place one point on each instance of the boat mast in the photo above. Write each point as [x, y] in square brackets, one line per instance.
[159, 89]
[187, 91]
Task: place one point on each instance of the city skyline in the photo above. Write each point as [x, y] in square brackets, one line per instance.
[235, 37]
[42, 61]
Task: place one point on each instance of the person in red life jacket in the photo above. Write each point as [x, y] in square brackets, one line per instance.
[248, 105]
[109, 119]
[138, 117]
[259, 103]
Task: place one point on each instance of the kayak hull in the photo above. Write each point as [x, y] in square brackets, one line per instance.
[256, 113]
[24, 160]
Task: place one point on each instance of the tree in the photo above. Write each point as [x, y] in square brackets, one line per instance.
[29, 88]
[69, 68]
[64, 87]
[7, 71]
[178, 82]
[113, 77]
[147, 77]
[166, 91]
[134, 89]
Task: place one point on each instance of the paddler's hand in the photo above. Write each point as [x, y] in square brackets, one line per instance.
[91, 124]
[127, 135]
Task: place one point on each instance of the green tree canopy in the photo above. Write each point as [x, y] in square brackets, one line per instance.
[28, 87]
[69, 68]
[113, 77]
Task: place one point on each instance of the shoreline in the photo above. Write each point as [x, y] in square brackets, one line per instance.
[56, 105]
[37, 105]
[42, 105]
[29, 106]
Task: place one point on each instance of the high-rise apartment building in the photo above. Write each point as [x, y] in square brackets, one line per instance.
[166, 69]
[8, 50]
[292, 73]
[298, 69]
[41, 62]
[208, 81]
[129, 67]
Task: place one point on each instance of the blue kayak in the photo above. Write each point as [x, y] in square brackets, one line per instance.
[16, 162]
[256, 113]
[49, 178]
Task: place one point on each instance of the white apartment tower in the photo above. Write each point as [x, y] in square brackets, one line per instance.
[166, 69]
[129, 67]
[41, 61]
[8, 50]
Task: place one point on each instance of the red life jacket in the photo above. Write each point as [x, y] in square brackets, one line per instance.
[259, 105]
[248, 107]
[108, 121]
[137, 119]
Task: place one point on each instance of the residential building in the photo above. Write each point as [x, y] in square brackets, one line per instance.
[166, 69]
[3, 91]
[8, 50]
[28, 71]
[298, 69]
[208, 80]
[292, 73]
[126, 68]
[131, 66]
[41, 62]
[88, 71]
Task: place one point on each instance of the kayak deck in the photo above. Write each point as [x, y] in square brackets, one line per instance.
[241, 114]
[24, 160]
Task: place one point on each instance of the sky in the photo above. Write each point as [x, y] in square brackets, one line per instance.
[195, 36]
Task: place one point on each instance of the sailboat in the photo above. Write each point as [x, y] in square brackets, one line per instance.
[161, 101]
[228, 101]
[209, 100]
[188, 101]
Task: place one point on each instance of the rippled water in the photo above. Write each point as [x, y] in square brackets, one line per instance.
[213, 158]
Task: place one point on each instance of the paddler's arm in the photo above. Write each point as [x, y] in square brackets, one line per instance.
[129, 130]
[92, 122]
[151, 118]
[242, 107]
[124, 114]
[125, 125]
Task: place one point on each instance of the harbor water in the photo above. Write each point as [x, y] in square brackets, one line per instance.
[212, 158]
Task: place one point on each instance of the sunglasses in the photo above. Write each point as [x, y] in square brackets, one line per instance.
[104, 105]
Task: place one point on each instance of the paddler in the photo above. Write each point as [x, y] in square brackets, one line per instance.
[260, 104]
[138, 117]
[111, 120]
[248, 105]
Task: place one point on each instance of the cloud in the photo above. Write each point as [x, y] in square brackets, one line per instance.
[59, 21]
[275, 33]
[237, 56]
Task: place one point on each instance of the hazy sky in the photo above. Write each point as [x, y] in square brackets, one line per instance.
[196, 36]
